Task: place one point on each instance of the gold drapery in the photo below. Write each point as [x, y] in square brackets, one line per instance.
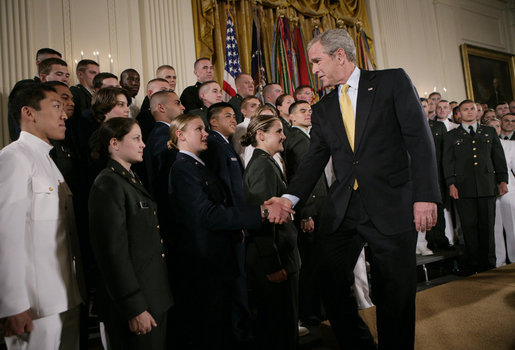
[209, 20]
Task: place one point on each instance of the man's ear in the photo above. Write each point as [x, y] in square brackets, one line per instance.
[213, 122]
[43, 77]
[28, 114]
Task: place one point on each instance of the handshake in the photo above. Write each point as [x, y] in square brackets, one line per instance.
[277, 210]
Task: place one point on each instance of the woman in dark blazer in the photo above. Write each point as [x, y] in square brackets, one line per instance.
[206, 225]
[273, 260]
[133, 292]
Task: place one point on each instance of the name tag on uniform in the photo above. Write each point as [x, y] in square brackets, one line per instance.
[143, 205]
[234, 159]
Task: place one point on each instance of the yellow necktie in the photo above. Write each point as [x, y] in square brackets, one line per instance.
[348, 120]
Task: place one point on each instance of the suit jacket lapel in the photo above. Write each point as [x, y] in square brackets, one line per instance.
[336, 120]
[366, 93]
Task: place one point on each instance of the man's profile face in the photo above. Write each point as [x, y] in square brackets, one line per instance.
[86, 76]
[173, 107]
[57, 73]
[67, 98]
[425, 106]
[204, 71]
[274, 92]
[326, 67]
[49, 120]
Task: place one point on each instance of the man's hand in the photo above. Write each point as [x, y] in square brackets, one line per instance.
[279, 210]
[307, 225]
[142, 323]
[278, 276]
[453, 192]
[503, 188]
[18, 324]
[425, 216]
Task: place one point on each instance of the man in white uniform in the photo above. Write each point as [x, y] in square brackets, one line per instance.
[39, 289]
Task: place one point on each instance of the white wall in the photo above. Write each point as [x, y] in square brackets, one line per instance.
[140, 34]
[423, 37]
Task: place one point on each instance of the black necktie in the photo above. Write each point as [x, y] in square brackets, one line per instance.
[506, 138]
[472, 132]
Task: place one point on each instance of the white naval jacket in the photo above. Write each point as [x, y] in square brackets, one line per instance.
[37, 269]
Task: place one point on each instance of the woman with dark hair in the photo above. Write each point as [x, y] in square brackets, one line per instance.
[206, 226]
[133, 292]
[273, 260]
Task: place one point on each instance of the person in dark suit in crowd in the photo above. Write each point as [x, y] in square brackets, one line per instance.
[475, 172]
[508, 127]
[273, 260]
[42, 55]
[133, 292]
[221, 158]
[145, 119]
[386, 189]
[203, 70]
[304, 93]
[210, 93]
[308, 217]
[436, 236]
[206, 226]
[164, 72]
[157, 158]
[245, 88]
[53, 69]
[270, 93]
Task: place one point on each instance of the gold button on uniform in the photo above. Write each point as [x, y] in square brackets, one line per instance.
[161, 241]
[473, 141]
[163, 255]
[474, 148]
[50, 189]
[154, 212]
[157, 226]
[475, 155]
[475, 163]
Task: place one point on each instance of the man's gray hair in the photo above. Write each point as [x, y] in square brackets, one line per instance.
[333, 39]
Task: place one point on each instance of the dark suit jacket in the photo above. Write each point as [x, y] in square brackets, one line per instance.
[295, 151]
[475, 165]
[438, 130]
[146, 123]
[235, 102]
[202, 113]
[155, 145]
[205, 226]
[394, 158]
[274, 245]
[127, 245]
[222, 160]
[190, 98]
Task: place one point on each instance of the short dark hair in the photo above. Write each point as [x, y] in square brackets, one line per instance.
[500, 103]
[129, 70]
[464, 102]
[442, 101]
[198, 60]
[434, 93]
[297, 89]
[295, 105]
[455, 110]
[113, 128]
[45, 66]
[247, 99]
[83, 64]
[99, 78]
[105, 99]
[509, 113]
[423, 99]
[47, 51]
[279, 101]
[216, 108]
[27, 93]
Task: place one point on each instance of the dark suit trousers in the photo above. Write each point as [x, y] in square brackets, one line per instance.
[477, 216]
[393, 268]
[121, 338]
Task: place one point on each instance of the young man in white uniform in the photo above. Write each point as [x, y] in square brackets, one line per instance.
[39, 289]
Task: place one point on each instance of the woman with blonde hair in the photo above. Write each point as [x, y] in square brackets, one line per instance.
[205, 227]
[273, 260]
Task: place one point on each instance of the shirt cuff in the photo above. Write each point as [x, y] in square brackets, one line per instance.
[293, 199]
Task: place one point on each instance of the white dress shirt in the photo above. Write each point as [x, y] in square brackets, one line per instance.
[37, 269]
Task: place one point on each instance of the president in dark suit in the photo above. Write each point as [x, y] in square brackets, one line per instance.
[386, 188]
